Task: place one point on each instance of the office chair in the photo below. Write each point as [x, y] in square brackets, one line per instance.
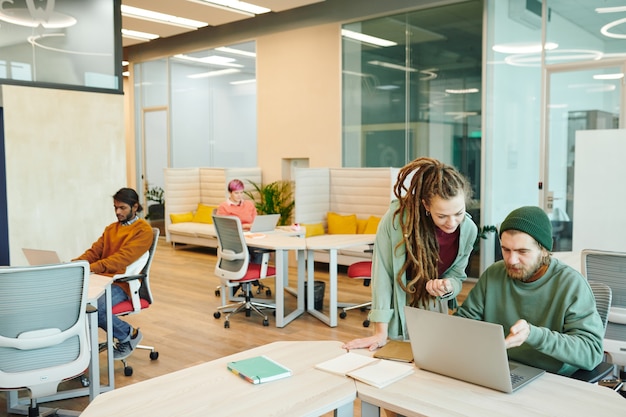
[610, 268]
[602, 294]
[359, 270]
[141, 296]
[44, 336]
[234, 269]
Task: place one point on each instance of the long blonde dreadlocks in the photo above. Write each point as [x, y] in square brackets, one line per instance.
[427, 177]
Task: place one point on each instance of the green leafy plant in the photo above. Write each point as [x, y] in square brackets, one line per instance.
[156, 194]
[483, 233]
[273, 198]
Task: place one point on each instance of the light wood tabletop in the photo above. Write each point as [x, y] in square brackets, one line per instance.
[209, 389]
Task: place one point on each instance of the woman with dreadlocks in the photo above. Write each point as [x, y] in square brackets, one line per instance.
[421, 249]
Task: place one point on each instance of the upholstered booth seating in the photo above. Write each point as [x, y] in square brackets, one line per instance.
[343, 201]
[191, 195]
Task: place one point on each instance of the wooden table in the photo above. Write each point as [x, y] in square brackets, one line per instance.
[331, 243]
[210, 389]
[427, 394]
[282, 243]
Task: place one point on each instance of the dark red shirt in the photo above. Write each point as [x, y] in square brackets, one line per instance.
[448, 249]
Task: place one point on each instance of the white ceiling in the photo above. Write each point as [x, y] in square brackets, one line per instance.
[214, 16]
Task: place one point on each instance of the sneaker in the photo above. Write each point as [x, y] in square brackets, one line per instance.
[125, 349]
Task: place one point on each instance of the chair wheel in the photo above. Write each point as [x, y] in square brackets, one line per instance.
[343, 315]
[154, 356]
[247, 313]
[84, 381]
[366, 323]
[217, 293]
[217, 314]
[268, 293]
[266, 322]
[227, 325]
[128, 370]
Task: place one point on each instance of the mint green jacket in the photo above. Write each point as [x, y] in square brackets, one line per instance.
[566, 331]
[388, 297]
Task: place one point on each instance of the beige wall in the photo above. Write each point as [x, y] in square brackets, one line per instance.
[65, 158]
[299, 98]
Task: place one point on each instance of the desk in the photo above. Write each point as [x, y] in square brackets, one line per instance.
[427, 394]
[282, 243]
[98, 285]
[332, 243]
[210, 389]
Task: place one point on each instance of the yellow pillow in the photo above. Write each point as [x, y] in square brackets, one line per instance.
[203, 214]
[181, 217]
[341, 225]
[360, 225]
[372, 225]
[314, 229]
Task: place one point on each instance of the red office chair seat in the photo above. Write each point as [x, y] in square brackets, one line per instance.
[359, 270]
[126, 307]
[254, 272]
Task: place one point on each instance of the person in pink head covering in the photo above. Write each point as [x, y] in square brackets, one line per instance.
[236, 205]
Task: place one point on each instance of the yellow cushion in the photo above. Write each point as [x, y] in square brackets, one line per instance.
[314, 229]
[341, 225]
[372, 225]
[360, 225]
[181, 217]
[203, 214]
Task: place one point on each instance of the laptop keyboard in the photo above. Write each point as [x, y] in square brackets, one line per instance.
[516, 379]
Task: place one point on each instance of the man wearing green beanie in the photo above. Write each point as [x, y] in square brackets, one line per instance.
[547, 306]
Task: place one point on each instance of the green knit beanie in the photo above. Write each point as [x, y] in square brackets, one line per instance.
[530, 220]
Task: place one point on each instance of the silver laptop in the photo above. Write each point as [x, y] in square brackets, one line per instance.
[264, 223]
[465, 349]
[41, 257]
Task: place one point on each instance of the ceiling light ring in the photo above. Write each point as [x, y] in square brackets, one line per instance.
[605, 29]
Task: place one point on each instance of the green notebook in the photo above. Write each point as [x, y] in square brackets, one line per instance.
[258, 369]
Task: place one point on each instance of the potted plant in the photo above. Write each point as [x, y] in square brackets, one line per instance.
[156, 211]
[273, 198]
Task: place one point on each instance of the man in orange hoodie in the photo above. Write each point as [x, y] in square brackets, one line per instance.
[123, 244]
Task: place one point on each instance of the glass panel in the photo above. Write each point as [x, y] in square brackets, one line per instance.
[415, 90]
[579, 100]
[213, 107]
[585, 30]
[66, 42]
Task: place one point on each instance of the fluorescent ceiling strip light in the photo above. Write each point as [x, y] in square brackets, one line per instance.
[126, 74]
[605, 29]
[392, 66]
[125, 63]
[361, 37]
[253, 80]
[611, 9]
[462, 91]
[138, 35]
[214, 73]
[523, 48]
[387, 87]
[212, 60]
[236, 51]
[152, 16]
[235, 6]
[615, 76]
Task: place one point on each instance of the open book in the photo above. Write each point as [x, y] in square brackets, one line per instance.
[258, 369]
[376, 372]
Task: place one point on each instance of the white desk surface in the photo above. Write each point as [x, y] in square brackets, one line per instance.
[282, 242]
[332, 243]
[427, 394]
[210, 389]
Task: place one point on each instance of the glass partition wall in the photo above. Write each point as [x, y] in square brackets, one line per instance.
[412, 87]
[196, 109]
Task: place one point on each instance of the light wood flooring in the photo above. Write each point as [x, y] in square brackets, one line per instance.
[180, 323]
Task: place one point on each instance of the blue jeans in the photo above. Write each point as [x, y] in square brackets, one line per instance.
[121, 329]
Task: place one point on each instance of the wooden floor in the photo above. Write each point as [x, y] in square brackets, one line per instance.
[180, 323]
